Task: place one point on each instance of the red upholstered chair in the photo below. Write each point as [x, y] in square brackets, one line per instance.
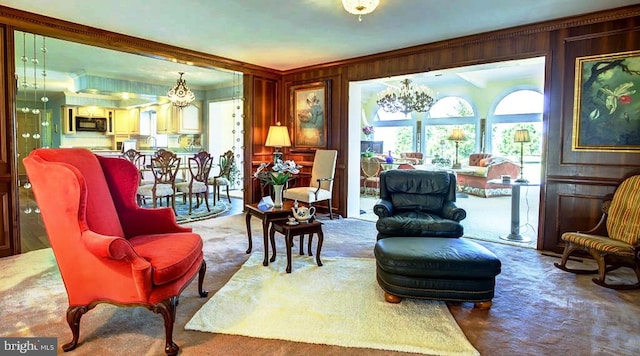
[107, 248]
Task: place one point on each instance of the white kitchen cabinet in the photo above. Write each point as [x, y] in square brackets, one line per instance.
[127, 122]
[69, 119]
[164, 119]
[189, 119]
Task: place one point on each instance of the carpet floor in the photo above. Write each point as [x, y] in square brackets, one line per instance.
[538, 309]
[317, 305]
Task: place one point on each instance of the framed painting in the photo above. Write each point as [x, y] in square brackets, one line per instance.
[309, 115]
[606, 114]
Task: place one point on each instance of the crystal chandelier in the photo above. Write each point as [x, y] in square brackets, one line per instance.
[406, 99]
[360, 7]
[180, 95]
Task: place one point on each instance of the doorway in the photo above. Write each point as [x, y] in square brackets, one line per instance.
[483, 87]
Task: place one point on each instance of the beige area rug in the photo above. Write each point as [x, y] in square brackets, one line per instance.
[339, 303]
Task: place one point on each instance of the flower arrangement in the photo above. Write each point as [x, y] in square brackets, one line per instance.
[368, 130]
[279, 174]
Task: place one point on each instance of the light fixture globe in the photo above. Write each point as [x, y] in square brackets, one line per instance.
[360, 7]
[180, 95]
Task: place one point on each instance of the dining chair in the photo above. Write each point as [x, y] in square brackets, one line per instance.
[199, 168]
[164, 167]
[139, 160]
[226, 163]
[321, 184]
[370, 168]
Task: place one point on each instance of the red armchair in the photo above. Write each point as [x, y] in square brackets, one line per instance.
[107, 248]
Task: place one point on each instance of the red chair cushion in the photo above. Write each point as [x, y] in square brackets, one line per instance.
[170, 255]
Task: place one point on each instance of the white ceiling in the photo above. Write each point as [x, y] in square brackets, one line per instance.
[287, 34]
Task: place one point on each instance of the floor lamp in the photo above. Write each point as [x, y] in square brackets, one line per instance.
[457, 135]
[521, 136]
[278, 137]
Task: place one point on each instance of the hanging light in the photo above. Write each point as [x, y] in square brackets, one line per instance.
[406, 99]
[180, 95]
[360, 7]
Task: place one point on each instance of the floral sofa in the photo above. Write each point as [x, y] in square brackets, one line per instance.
[482, 167]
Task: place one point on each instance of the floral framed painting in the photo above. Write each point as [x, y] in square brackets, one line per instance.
[309, 114]
[606, 114]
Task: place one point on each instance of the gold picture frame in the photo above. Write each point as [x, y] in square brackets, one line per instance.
[309, 115]
[606, 115]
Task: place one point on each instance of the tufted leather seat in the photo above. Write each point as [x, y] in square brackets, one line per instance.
[418, 203]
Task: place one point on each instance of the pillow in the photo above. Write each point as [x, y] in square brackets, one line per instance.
[485, 162]
[496, 160]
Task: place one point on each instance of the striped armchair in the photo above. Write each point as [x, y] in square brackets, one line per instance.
[615, 241]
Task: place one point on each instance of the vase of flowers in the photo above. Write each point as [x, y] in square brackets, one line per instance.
[368, 131]
[277, 176]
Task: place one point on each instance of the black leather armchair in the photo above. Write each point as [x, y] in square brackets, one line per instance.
[416, 203]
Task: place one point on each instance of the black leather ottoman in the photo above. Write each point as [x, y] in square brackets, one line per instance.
[449, 269]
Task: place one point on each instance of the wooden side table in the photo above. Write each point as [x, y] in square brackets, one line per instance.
[290, 231]
[265, 216]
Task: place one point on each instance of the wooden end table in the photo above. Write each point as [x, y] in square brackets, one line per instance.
[265, 216]
[290, 231]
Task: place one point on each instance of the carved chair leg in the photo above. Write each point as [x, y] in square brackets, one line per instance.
[168, 310]
[73, 318]
[568, 250]
[203, 269]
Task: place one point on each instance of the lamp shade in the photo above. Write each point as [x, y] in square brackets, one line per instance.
[278, 136]
[457, 135]
[521, 136]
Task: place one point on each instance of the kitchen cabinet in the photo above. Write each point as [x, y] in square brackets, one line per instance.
[69, 119]
[174, 120]
[164, 119]
[127, 122]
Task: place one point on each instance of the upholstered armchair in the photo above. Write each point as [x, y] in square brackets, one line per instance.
[418, 203]
[108, 249]
[615, 240]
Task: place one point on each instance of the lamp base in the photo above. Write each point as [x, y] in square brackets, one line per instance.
[521, 180]
[456, 166]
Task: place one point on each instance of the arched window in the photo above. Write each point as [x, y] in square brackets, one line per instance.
[451, 106]
[520, 102]
[446, 114]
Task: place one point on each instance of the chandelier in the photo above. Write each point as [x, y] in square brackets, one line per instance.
[181, 95]
[360, 7]
[406, 99]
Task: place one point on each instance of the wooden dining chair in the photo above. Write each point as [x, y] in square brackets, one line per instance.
[223, 179]
[139, 160]
[199, 167]
[164, 167]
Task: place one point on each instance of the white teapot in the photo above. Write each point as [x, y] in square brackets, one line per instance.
[303, 213]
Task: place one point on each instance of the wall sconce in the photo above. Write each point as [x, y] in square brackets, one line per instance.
[521, 136]
[278, 137]
[457, 135]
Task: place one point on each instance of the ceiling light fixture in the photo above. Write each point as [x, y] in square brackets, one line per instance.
[181, 95]
[406, 99]
[360, 7]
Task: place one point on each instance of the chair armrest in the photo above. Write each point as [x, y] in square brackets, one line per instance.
[451, 211]
[383, 208]
[320, 180]
[113, 247]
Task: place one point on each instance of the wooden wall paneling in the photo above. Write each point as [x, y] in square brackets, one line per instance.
[262, 108]
[573, 207]
[9, 210]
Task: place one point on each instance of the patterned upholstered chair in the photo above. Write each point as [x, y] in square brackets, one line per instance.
[615, 241]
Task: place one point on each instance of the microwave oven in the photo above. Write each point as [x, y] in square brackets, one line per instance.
[96, 124]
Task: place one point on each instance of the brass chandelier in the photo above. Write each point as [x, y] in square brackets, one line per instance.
[406, 99]
[180, 95]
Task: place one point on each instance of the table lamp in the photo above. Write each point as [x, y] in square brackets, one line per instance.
[278, 137]
[457, 135]
[521, 136]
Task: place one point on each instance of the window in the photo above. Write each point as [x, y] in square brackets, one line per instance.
[446, 114]
[520, 102]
